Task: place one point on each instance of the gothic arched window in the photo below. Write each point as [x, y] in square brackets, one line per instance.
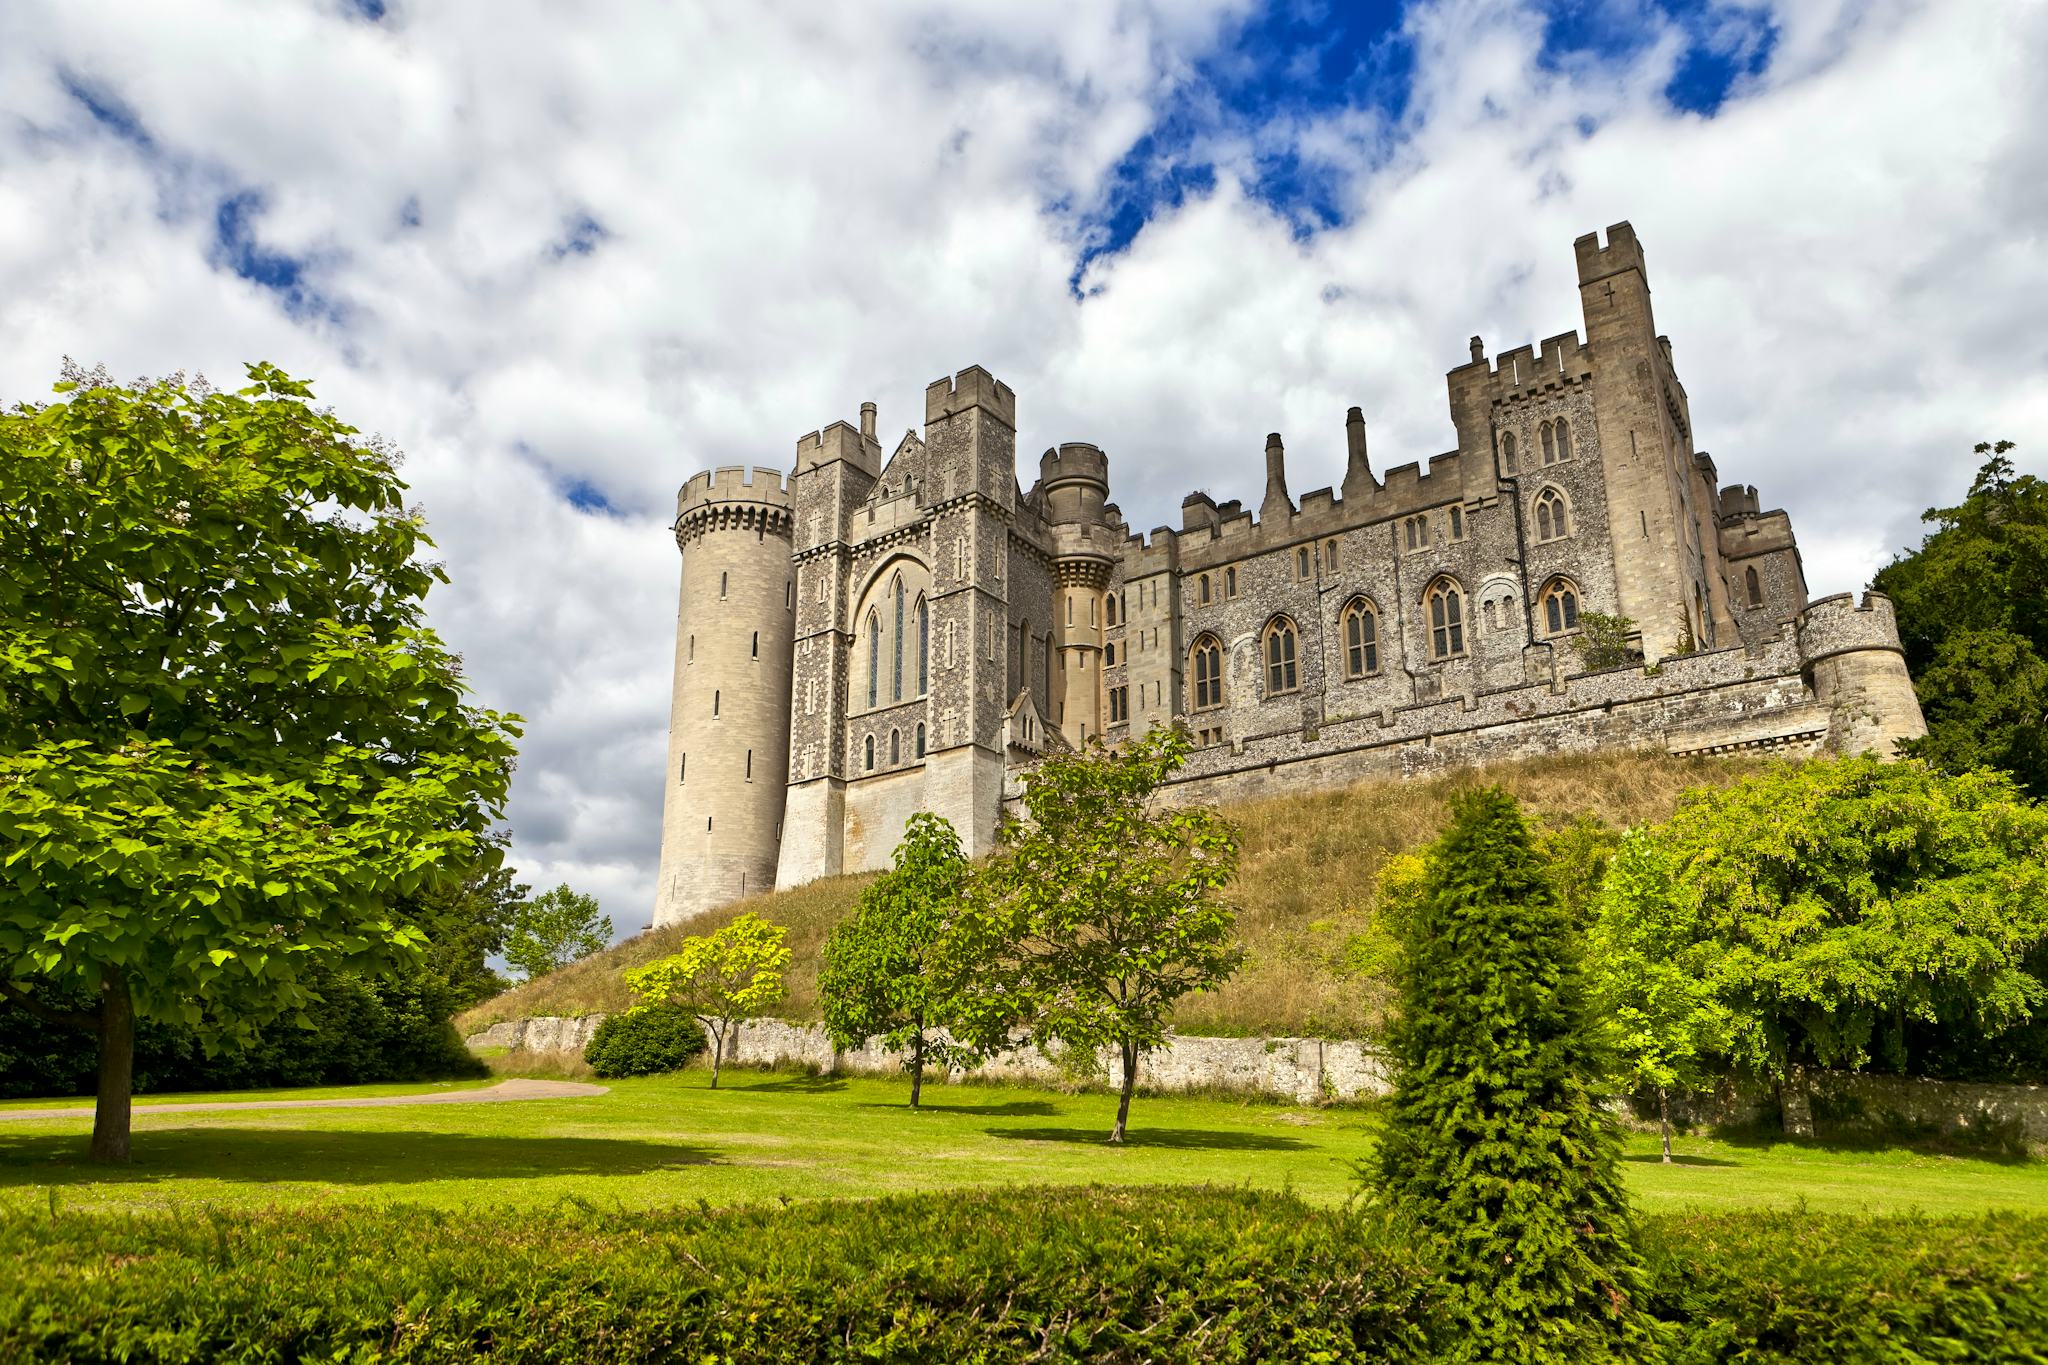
[1508, 464]
[920, 739]
[874, 658]
[896, 670]
[1564, 440]
[1361, 639]
[1755, 587]
[1553, 519]
[895, 746]
[1560, 606]
[1208, 671]
[1446, 620]
[1281, 642]
[871, 753]
[924, 647]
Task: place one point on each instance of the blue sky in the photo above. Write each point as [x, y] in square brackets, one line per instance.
[566, 254]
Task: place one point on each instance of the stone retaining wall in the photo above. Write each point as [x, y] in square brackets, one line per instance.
[1304, 1069]
[1312, 1069]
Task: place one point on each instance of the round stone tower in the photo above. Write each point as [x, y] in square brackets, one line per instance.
[728, 731]
[1075, 480]
[1853, 662]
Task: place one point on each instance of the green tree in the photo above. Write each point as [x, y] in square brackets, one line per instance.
[886, 972]
[1972, 607]
[721, 978]
[554, 929]
[1652, 981]
[228, 743]
[466, 922]
[1842, 901]
[1495, 1147]
[1099, 910]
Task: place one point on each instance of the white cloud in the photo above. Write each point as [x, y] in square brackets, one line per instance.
[799, 207]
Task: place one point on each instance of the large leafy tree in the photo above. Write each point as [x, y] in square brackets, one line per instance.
[1099, 911]
[722, 979]
[891, 969]
[554, 929]
[1842, 902]
[229, 745]
[1495, 1146]
[1652, 981]
[1972, 606]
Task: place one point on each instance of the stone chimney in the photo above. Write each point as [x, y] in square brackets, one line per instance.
[867, 421]
[1357, 467]
[1277, 503]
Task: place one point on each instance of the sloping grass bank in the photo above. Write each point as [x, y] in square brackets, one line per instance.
[1101, 1274]
[1304, 889]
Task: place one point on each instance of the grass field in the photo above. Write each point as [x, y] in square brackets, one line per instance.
[768, 1136]
[1305, 887]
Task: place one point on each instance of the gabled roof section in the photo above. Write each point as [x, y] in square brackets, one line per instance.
[904, 472]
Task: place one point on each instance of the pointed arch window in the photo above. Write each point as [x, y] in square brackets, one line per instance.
[1208, 671]
[924, 646]
[1361, 640]
[1753, 585]
[871, 753]
[1560, 607]
[1553, 516]
[1509, 465]
[1446, 605]
[1282, 644]
[1202, 589]
[896, 670]
[895, 746]
[920, 739]
[874, 658]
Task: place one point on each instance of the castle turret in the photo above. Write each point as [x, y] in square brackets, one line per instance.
[1851, 657]
[1075, 479]
[1276, 503]
[728, 739]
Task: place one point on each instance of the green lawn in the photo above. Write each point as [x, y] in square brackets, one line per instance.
[764, 1136]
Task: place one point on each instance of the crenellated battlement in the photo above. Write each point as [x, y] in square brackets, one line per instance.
[1840, 624]
[1622, 252]
[973, 387]
[733, 496]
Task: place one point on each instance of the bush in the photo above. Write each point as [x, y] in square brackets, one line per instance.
[1099, 1274]
[644, 1042]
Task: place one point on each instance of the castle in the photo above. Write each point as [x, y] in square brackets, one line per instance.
[881, 634]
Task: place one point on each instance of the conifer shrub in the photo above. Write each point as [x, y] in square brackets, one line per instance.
[644, 1042]
[1495, 1151]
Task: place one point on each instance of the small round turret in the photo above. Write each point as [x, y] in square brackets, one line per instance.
[729, 708]
[1853, 661]
[1075, 481]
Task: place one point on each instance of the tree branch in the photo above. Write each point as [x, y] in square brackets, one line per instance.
[68, 1018]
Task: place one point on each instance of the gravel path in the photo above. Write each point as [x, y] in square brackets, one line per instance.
[504, 1090]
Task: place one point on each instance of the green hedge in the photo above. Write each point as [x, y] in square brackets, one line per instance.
[1079, 1274]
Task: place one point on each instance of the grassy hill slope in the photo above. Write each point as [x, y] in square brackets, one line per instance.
[1304, 888]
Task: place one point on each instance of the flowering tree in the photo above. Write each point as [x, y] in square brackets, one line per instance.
[228, 743]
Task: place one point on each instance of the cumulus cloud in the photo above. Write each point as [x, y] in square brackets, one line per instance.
[567, 254]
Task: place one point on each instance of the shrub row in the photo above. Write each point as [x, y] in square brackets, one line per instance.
[1095, 1274]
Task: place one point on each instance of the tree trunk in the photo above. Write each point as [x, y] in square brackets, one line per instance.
[717, 1053]
[916, 1068]
[1123, 1102]
[1664, 1120]
[110, 1117]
